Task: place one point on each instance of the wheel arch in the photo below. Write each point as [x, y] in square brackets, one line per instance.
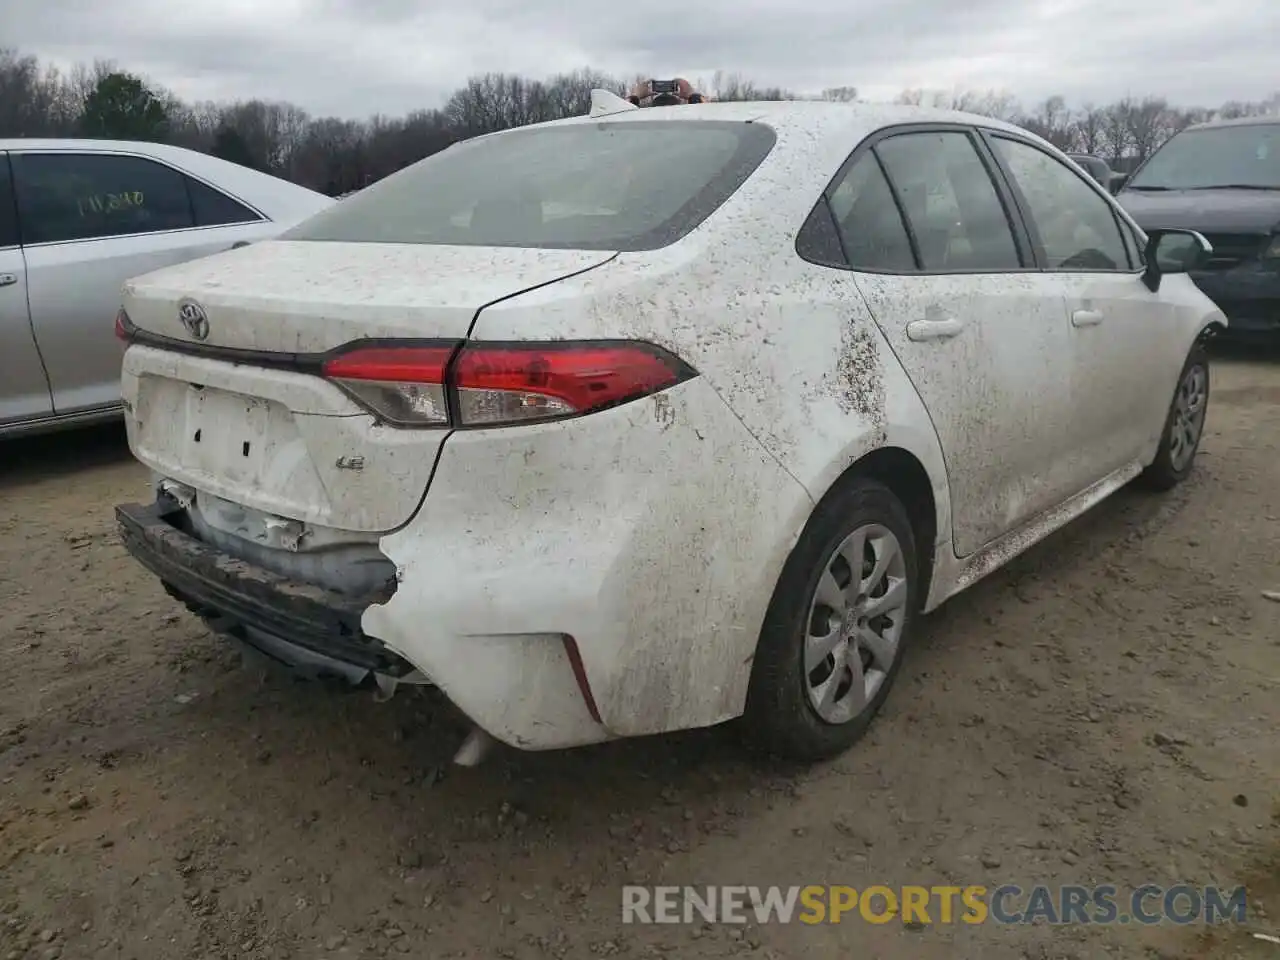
[905, 475]
[772, 716]
[1211, 329]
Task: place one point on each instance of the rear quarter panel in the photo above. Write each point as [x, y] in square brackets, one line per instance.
[640, 531]
[793, 356]
[788, 346]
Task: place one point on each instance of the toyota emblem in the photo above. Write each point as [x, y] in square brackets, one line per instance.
[194, 319]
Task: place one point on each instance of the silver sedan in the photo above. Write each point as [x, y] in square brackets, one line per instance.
[80, 217]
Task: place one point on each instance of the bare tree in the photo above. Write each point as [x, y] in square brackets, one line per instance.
[1090, 127]
[29, 97]
[997, 104]
[1147, 123]
[425, 132]
[86, 79]
[1052, 121]
[840, 94]
[495, 101]
[733, 86]
[332, 157]
[1180, 119]
[1235, 109]
[1116, 133]
[195, 125]
[569, 94]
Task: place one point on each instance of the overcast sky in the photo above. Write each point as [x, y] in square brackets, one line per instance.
[356, 57]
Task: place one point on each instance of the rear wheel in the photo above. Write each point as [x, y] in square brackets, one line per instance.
[833, 638]
[1184, 425]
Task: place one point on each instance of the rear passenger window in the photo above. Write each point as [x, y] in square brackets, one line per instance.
[818, 241]
[69, 196]
[213, 208]
[8, 215]
[1077, 228]
[956, 215]
[869, 222]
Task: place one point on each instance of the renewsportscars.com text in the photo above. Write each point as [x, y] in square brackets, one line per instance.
[1007, 904]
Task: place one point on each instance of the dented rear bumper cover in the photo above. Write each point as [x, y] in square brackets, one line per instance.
[555, 603]
[246, 601]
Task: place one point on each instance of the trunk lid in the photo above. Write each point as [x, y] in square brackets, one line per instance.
[308, 297]
[289, 444]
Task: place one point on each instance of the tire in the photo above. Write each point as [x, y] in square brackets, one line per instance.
[1183, 425]
[784, 715]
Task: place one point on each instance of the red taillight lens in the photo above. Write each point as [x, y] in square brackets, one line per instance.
[517, 383]
[122, 324]
[403, 385]
[495, 384]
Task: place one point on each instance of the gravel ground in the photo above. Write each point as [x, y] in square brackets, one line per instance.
[1103, 710]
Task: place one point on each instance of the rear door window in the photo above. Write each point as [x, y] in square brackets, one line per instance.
[870, 224]
[213, 208]
[635, 185]
[956, 215]
[72, 196]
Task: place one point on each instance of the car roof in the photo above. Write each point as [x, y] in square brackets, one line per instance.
[279, 199]
[789, 117]
[1237, 122]
[814, 137]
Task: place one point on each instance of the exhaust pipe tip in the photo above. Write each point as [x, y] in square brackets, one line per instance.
[475, 748]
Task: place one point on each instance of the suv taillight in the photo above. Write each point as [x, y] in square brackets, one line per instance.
[441, 384]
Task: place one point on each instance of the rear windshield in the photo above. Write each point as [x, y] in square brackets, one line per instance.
[1237, 156]
[593, 186]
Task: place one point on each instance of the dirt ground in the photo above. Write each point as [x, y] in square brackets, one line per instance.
[1102, 711]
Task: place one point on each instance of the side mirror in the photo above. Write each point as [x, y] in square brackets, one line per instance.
[1118, 180]
[1173, 251]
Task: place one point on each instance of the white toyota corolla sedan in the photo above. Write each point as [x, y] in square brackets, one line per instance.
[656, 418]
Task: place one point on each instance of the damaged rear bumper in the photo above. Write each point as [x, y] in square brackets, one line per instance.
[308, 627]
[527, 692]
[553, 605]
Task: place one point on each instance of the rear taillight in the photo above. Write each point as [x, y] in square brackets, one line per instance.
[403, 385]
[514, 383]
[122, 324]
[493, 384]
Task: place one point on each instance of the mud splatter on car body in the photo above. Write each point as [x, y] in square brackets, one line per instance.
[612, 572]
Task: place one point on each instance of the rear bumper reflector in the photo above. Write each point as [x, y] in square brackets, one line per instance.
[580, 675]
[238, 597]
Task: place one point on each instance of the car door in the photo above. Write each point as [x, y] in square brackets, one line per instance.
[944, 265]
[1123, 343]
[91, 221]
[24, 391]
